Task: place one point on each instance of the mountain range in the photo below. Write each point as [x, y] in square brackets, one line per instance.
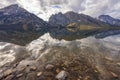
[14, 14]
[19, 26]
[72, 17]
[109, 20]
[17, 23]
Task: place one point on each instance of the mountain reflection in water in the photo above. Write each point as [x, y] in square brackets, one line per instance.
[99, 54]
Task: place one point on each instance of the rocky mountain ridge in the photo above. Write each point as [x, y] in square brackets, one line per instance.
[14, 14]
[110, 20]
[19, 26]
[72, 17]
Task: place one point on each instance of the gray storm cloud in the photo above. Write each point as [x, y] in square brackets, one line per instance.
[45, 8]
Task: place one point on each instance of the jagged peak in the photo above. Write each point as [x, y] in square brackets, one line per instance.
[13, 6]
[71, 12]
[105, 16]
[11, 9]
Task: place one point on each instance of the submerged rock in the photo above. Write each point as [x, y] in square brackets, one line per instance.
[31, 76]
[118, 64]
[19, 75]
[39, 74]
[57, 70]
[10, 77]
[114, 75]
[48, 74]
[62, 75]
[8, 72]
[49, 67]
[33, 68]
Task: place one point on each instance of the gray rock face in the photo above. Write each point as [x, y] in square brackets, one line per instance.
[16, 23]
[20, 18]
[59, 19]
[49, 67]
[71, 17]
[62, 75]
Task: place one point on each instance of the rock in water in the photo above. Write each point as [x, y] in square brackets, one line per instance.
[7, 72]
[33, 68]
[114, 75]
[118, 64]
[62, 75]
[10, 77]
[19, 75]
[49, 67]
[39, 74]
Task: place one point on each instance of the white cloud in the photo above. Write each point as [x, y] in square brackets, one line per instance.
[98, 7]
[45, 8]
[5, 3]
[31, 5]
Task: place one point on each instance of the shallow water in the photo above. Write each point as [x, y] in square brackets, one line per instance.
[109, 44]
[104, 54]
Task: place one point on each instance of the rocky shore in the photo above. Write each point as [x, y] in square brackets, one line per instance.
[50, 59]
[72, 68]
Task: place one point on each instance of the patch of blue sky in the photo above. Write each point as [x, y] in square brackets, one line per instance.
[56, 6]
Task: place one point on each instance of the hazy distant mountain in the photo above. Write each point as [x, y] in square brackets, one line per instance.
[110, 20]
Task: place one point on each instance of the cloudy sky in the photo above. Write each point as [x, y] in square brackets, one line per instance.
[45, 8]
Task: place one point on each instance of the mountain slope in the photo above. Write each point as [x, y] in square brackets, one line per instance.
[72, 17]
[108, 19]
[19, 26]
[14, 14]
[71, 26]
